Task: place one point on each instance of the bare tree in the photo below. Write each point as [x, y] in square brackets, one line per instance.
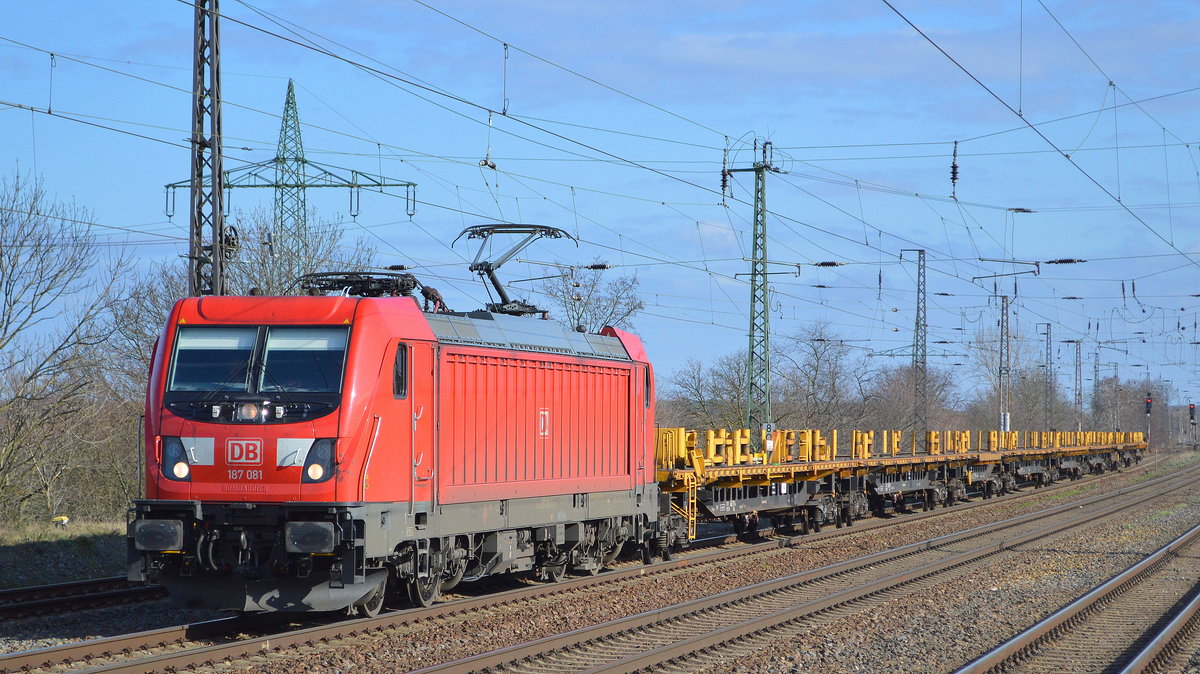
[271, 260]
[890, 397]
[1027, 382]
[700, 396]
[137, 323]
[586, 299]
[54, 289]
[819, 382]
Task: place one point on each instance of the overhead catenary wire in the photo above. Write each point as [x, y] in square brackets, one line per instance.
[1038, 131]
[879, 246]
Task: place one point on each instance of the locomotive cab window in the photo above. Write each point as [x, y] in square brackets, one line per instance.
[303, 360]
[400, 372]
[212, 359]
[296, 370]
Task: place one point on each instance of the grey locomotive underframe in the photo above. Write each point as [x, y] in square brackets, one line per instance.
[235, 556]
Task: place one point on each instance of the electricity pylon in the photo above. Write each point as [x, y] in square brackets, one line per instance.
[206, 262]
[758, 360]
[290, 174]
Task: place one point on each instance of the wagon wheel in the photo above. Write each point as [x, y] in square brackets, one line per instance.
[424, 591]
[646, 553]
[665, 541]
[553, 573]
[594, 560]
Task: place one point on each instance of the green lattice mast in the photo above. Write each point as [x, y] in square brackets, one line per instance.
[290, 205]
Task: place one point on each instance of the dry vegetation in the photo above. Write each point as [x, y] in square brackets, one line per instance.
[41, 554]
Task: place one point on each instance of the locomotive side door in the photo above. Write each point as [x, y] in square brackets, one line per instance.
[423, 416]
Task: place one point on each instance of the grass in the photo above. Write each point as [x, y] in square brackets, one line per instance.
[1067, 493]
[41, 554]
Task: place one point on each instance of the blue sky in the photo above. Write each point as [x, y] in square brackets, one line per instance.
[618, 117]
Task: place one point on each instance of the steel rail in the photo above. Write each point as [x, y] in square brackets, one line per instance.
[62, 597]
[1023, 645]
[522, 656]
[1167, 643]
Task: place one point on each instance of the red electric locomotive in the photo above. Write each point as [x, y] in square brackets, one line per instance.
[321, 453]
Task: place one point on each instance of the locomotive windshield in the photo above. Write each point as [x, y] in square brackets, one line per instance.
[212, 359]
[290, 360]
[303, 360]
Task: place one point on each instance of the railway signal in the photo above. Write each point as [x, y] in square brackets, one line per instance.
[1148, 402]
[1192, 413]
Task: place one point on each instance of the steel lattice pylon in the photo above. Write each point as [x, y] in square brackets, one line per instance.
[206, 263]
[758, 363]
[290, 174]
[920, 357]
[1079, 384]
[758, 358]
[1048, 387]
[290, 203]
[1004, 367]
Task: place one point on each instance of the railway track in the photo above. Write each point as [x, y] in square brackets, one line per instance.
[237, 638]
[24, 602]
[1124, 624]
[712, 632]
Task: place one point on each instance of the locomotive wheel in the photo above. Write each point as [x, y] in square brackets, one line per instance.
[424, 591]
[372, 604]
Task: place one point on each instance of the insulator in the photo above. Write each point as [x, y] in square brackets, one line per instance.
[954, 165]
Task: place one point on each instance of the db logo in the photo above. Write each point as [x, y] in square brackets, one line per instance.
[244, 451]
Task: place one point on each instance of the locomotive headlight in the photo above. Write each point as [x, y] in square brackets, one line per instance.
[318, 466]
[248, 412]
[309, 537]
[175, 464]
[157, 535]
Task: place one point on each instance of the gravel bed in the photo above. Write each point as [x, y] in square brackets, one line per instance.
[943, 627]
[443, 640]
[30, 633]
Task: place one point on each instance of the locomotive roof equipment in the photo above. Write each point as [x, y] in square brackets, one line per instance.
[507, 305]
